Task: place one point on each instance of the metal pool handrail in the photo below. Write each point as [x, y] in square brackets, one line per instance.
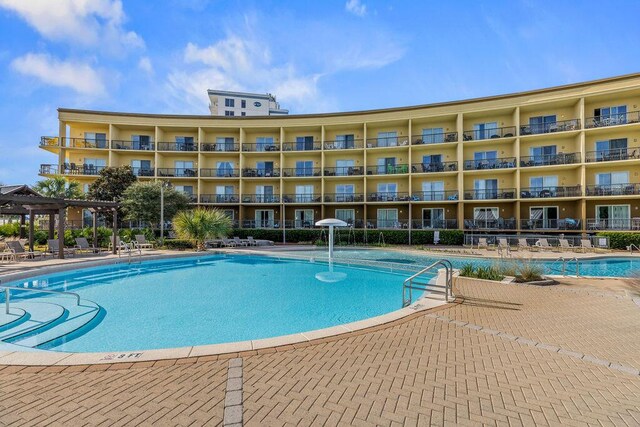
[410, 283]
[564, 264]
[7, 293]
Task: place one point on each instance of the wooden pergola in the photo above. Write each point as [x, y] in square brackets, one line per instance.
[22, 201]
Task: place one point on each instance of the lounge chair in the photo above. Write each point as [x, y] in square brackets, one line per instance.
[544, 245]
[120, 245]
[82, 245]
[239, 242]
[482, 243]
[141, 242]
[503, 243]
[565, 245]
[228, 243]
[54, 248]
[585, 244]
[20, 252]
[251, 241]
[522, 243]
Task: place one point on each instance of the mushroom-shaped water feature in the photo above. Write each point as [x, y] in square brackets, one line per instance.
[331, 222]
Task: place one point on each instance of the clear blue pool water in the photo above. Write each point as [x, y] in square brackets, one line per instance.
[220, 298]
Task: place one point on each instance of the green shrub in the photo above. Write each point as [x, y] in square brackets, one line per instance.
[11, 229]
[452, 237]
[620, 240]
[529, 271]
[179, 244]
[467, 270]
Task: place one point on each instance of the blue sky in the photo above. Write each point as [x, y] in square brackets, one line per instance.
[322, 56]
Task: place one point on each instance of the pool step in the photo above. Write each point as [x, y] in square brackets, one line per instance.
[15, 317]
[40, 316]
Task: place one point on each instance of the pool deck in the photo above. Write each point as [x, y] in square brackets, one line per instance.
[502, 354]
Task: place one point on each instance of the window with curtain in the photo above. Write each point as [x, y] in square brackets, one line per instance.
[433, 190]
[433, 218]
[387, 139]
[346, 215]
[486, 188]
[485, 130]
[262, 142]
[615, 115]
[432, 135]
[387, 218]
[343, 167]
[542, 124]
[304, 193]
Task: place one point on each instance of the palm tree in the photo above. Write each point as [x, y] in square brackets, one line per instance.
[201, 224]
[58, 187]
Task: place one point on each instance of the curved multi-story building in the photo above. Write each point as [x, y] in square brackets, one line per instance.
[564, 159]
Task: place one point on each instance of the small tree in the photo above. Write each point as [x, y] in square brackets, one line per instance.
[59, 187]
[111, 183]
[141, 202]
[201, 224]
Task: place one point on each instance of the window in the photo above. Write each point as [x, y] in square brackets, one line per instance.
[184, 168]
[229, 102]
[186, 189]
[542, 124]
[386, 165]
[387, 191]
[224, 193]
[432, 135]
[612, 178]
[543, 155]
[387, 139]
[304, 168]
[345, 192]
[304, 193]
[224, 144]
[613, 149]
[542, 183]
[543, 217]
[264, 193]
[303, 218]
[433, 218]
[141, 142]
[184, 143]
[611, 115]
[432, 163]
[346, 215]
[264, 168]
[613, 216]
[485, 217]
[388, 218]
[224, 169]
[344, 167]
[97, 140]
[433, 190]
[485, 130]
[485, 189]
[345, 141]
[229, 113]
[229, 213]
[243, 104]
[304, 143]
[264, 143]
[142, 167]
[243, 113]
[484, 159]
[93, 166]
[264, 218]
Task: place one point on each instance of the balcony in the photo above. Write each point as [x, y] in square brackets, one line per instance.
[298, 223]
[435, 224]
[219, 198]
[613, 154]
[344, 171]
[490, 224]
[505, 193]
[143, 171]
[388, 169]
[344, 145]
[301, 198]
[219, 173]
[434, 167]
[478, 135]
[70, 169]
[250, 223]
[387, 223]
[84, 143]
[568, 224]
[627, 189]
[301, 172]
[390, 141]
[117, 144]
[260, 173]
[344, 197]
[546, 192]
[49, 141]
[401, 196]
[224, 147]
[260, 147]
[612, 120]
[261, 198]
[436, 138]
[613, 224]
[434, 196]
[177, 146]
[549, 159]
[561, 126]
[302, 146]
[178, 172]
[500, 163]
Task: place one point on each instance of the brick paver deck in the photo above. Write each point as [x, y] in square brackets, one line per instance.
[421, 371]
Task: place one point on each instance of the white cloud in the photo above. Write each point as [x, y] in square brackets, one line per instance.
[145, 65]
[86, 23]
[78, 76]
[355, 7]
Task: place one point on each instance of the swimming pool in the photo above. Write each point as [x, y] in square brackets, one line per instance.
[215, 299]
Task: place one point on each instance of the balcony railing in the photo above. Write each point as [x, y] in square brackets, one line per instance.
[388, 169]
[549, 159]
[545, 192]
[117, 144]
[260, 198]
[70, 169]
[84, 143]
[475, 135]
[219, 146]
[432, 196]
[298, 223]
[613, 224]
[613, 120]
[301, 198]
[260, 147]
[389, 141]
[551, 224]
[178, 172]
[302, 172]
[219, 173]
[250, 223]
[387, 223]
[177, 146]
[219, 198]
[434, 167]
[344, 197]
[260, 173]
[301, 146]
[613, 154]
[434, 224]
[400, 196]
[144, 171]
[490, 224]
[503, 193]
[436, 138]
[49, 141]
[50, 169]
[627, 189]
[558, 126]
[343, 171]
[500, 163]
[344, 145]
